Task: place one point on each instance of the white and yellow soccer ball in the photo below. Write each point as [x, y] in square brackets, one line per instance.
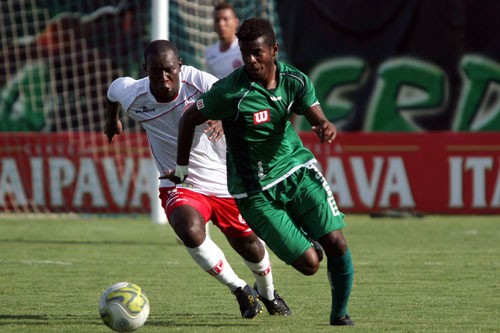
[124, 307]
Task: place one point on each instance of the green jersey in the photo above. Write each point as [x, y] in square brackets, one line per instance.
[263, 148]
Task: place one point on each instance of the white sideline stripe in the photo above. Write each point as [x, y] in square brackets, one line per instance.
[41, 216]
[433, 263]
[46, 262]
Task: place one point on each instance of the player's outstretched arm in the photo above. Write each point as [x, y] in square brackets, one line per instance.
[113, 123]
[189, 120]
[325, 130]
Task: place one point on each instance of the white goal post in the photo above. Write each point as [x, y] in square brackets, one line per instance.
[58, 58]
[159, 30]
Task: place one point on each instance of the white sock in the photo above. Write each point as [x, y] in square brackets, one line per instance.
[263, 276]
[212, 260]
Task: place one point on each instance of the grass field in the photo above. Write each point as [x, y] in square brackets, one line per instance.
[431, 274]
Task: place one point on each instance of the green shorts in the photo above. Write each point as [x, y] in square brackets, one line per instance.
[288, 215]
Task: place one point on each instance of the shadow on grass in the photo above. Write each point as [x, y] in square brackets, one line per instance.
[214, 319]
[24, 317]
[176, 320]
[50, 320]
[23, 320]
[82, 242]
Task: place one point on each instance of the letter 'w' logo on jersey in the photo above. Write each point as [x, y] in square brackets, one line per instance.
[260, 117]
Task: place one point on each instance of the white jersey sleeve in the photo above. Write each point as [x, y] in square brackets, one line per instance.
[123, 90]
[207, 166]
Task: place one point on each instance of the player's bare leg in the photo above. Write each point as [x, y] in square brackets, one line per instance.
[256, 257]
[189, 226]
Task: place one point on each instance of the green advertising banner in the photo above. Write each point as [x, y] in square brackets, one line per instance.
[399, 65]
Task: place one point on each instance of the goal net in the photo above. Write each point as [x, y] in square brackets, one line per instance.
[191, 25]
[58, 58]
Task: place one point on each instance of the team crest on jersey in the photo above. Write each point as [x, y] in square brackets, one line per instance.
[199, 104]
[237, 63]
[241, 219]
[262, 116]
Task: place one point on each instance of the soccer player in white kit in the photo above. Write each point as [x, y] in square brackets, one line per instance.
[157, 102]
[224, 56]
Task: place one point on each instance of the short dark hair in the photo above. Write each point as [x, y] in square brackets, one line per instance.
[223, 5]
[160, 46]
[254, 28]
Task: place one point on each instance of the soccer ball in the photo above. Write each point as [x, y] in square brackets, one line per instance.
[124, 307]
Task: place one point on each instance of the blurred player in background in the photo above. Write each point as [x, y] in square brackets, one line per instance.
[224, 56]
[158, 102]
[277, 186]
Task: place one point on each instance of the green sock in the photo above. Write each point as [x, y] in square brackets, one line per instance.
[340, 274]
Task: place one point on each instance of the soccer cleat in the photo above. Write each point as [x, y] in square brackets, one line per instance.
[247, 299]
[319, 249]
[342, 321]
[277, 306]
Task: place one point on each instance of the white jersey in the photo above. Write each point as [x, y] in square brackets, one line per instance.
[221, 64]
[207, 163]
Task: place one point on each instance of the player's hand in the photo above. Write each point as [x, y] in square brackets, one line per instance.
[178, 175]
[113, 127]
[170, 174]
[326, 131]
[214, 130]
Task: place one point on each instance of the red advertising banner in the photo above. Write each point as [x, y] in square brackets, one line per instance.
[440, 172]
[75, 172]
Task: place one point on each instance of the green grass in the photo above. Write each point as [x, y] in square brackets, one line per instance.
[433, 274]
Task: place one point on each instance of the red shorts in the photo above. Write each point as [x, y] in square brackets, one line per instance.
[223, 212]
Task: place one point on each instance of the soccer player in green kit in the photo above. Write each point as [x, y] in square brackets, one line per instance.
[279, 190]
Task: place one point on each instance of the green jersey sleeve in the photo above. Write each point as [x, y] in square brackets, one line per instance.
[218, 102]
[306, 96]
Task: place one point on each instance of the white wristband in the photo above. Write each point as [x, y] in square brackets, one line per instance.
[181, 171]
